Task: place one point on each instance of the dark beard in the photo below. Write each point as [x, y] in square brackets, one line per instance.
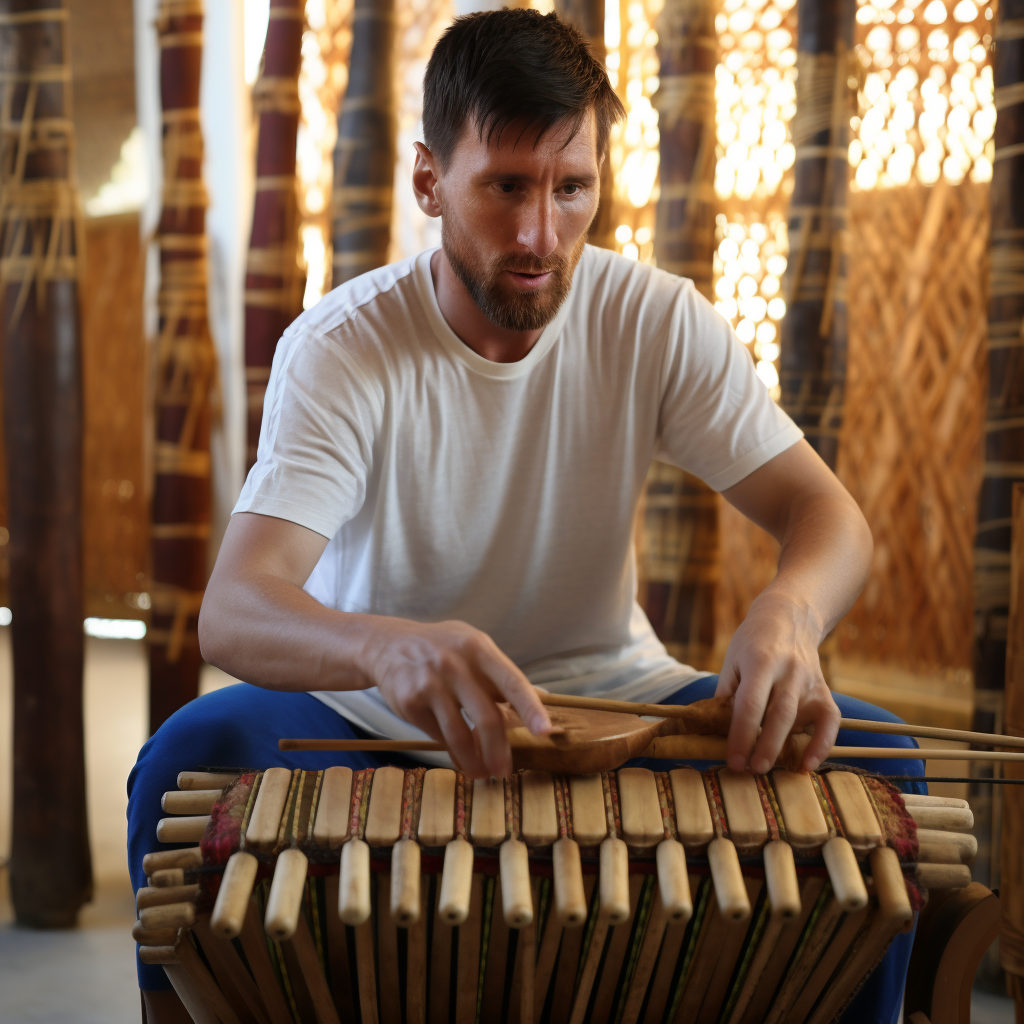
[523, 311]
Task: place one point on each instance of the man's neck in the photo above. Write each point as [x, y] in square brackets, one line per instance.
[469, 324]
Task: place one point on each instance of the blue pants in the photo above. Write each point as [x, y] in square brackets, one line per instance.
[239, 726]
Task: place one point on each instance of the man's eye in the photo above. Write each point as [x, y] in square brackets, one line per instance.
[508, 187]
[571, 190]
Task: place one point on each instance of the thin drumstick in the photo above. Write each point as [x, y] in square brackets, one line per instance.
[684, 712]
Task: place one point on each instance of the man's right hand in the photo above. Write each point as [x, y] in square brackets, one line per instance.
[432, 673]
[258, 624]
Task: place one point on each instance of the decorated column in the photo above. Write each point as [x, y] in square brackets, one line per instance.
[274, 282]
[679, 566]
[185, 375]
[814, 330]
[40, 244]
[364, 158]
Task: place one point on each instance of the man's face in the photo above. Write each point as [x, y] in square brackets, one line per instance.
[515, 217]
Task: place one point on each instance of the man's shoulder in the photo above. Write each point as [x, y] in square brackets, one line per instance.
[371, 300]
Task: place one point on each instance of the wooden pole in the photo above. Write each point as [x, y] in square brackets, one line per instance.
[1011, 945]
[588, 17]
[364, 158]
[1004, 438]
[274, 282]
[40, 240]
[680, 530]
[814, 329]
[185, 374]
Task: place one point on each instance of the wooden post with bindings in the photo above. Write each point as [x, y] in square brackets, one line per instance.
[185, 375]
[680, 549]
[814, 329]
[274, 282]
[1011, 944]
[588, 17]
[364, 157]
[41, 231]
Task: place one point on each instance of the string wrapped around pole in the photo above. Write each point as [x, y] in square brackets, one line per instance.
[679, 549]
[364, 157]
[814, 330]
[186, 374]
[274, 281]
[40, 249]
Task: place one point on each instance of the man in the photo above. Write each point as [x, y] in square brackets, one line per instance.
[453, 448]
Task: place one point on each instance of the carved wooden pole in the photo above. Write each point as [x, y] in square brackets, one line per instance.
[814, 330]
[40, 238]
[588, 17]
[999, 578]
[185, 374]
[364, 158]
[680, 558]
[274, 282]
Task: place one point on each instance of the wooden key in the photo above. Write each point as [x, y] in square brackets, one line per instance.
[169, 877]
[890, 887]
[330, 827]
[927, 800]
[589, 821]
[944, 876]
[182, 830]
[354, 903]
[234, 894]
[206, 780]
[284, 904]
[614, 880]
[642, 826]
[673, 881]
[189, 801]
[567, 876]
[159, 955]
[456, 880]
[693, 816]
[964, 842]
[539, 820]
[405, 883]
[806, 830]
[856, 812]
[154, 936]
[743, 810]
[945, 819]
[437, 808]
[844, 874]
[384, 815]
[516, 896]
[172, 915]
[780, 877]
[150, 896]
[487, 821]
[165, 860]
[265, 819]
[727, 878]
[931, 853]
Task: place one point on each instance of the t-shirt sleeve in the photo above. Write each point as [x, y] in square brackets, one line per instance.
[717, 419]
[321, 415]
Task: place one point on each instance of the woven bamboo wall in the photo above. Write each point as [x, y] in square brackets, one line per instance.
[910, 447]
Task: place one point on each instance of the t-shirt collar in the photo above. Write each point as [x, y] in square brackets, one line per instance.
[459, 350]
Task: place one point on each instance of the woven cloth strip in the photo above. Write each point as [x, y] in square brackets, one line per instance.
[563, 807]
[609, 787]
[718, 818]
[668, 817]
[770, 805]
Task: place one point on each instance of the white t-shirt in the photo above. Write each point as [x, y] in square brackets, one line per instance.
[504, 494]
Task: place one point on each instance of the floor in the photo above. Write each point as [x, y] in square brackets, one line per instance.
[96, 982]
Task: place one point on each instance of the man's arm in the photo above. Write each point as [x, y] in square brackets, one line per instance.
[772, 662]
[258, 624]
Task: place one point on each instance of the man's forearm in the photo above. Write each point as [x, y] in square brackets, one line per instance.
[825, 560]
[270, 632]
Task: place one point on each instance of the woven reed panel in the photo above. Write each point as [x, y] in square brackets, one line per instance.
[114, 500]
[910, 448]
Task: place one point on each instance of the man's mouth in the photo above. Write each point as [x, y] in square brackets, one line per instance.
[529, 279]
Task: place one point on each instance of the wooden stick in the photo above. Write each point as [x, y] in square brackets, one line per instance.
[379, 745]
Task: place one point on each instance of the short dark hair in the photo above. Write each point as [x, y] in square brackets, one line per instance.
[496, 68]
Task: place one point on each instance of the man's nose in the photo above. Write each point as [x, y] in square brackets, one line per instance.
[537, 229]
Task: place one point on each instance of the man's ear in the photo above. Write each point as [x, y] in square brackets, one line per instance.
[425, 181]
